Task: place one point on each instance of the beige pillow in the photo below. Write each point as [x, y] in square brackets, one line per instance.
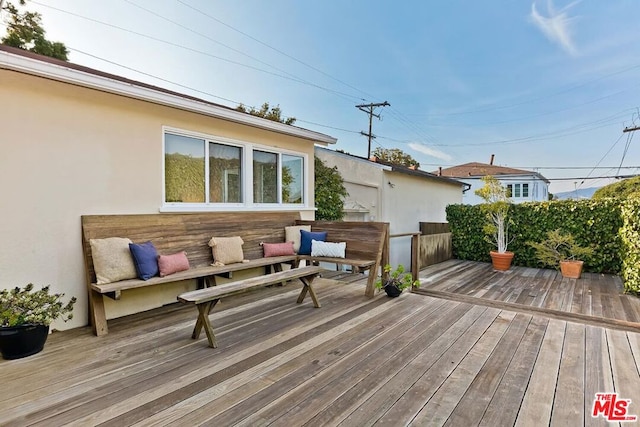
[292, 234]
[112, 260]
[226, 250]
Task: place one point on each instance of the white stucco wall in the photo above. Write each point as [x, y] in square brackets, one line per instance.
[412, 200]
[404, 200]
[68, 151]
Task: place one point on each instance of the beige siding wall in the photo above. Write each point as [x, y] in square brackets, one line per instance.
[67, 151]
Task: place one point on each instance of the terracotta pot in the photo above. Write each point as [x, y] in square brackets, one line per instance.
[571, 269]
[501, 261]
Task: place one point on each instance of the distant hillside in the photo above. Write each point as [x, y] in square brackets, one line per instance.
[582, 193]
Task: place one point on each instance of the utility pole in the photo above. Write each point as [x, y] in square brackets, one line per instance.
[369, 108]
[630, 129]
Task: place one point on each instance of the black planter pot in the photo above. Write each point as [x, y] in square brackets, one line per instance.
[392, 290]
[22, 341]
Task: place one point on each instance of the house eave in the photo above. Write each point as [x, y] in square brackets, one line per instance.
[128, 88]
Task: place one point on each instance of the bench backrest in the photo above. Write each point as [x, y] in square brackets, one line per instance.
[365, 240]
[190, 232]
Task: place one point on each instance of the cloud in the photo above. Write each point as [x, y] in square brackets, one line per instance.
[557, 26]
[430, 151]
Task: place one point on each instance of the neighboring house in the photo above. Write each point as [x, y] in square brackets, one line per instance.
[399, 195]
[76, 141]
[525, 186]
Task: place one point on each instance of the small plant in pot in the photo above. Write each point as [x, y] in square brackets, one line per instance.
[496, 208]
[560, 250]
[25, 316]
[397, 281]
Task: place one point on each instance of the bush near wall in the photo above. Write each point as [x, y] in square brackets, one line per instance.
[592, 222]
[630, 234]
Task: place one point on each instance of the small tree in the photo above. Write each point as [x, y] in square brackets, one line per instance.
[496, 208]
[329, 192]
[25, 31]
[559, 246]
[395, 156]
[266, 112]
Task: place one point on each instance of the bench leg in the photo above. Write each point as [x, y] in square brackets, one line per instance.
[370, 291]
[278, 268]
[97, 313]
[307, 281]
[203, 321]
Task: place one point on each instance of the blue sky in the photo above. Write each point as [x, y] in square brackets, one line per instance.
[545, 84]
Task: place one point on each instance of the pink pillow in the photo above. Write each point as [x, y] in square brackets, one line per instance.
[278, 249]
[169, 264]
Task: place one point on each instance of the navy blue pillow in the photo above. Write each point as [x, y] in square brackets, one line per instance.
[305, 240]
[145, 258]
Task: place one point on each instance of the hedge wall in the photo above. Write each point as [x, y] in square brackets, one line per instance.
[630, 235]
[592, 222]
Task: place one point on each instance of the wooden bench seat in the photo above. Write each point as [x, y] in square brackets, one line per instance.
[359, 265]
[189, 232]
[207, 273]
[367, 246]
[367, 249]
[206, 299]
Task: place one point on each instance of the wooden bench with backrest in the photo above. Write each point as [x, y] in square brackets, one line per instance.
[171, 233]
[206, 299]
[367, 246]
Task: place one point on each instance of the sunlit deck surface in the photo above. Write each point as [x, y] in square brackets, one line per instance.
[484, 348]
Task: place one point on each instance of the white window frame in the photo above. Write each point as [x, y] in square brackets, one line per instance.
[246, 176]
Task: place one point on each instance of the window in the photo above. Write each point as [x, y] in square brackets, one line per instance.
[184, 168]
[201, 172]
[265, 177]
[292, 183]
[518, 190]
[225, 181]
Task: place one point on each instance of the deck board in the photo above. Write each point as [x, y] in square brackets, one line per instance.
[422, 359]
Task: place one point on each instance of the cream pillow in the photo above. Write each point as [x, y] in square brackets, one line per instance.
[226, 250]
[292, 234]
[112, 260]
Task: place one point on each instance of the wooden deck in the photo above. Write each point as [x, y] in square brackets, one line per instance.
[416, 360]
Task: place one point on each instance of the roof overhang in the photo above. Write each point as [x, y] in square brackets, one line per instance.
[61, 71]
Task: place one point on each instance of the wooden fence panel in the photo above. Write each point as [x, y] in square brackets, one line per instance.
[434, 248]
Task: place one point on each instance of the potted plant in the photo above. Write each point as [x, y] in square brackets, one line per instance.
[496, 208]
[561, 250]
[396, 281]
[25, 316]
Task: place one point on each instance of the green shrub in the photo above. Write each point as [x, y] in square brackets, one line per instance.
[592, 222]
[630, 235]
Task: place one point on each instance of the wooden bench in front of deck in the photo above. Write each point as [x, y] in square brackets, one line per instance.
[206, 299]
[367, 246]
[189, 232]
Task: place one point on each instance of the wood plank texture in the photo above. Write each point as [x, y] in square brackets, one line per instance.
[412, 360]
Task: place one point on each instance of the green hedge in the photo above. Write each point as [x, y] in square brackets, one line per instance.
[592, 222]
[630, 235]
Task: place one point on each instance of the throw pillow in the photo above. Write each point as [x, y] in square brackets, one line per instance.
[145, 259]
[305, 240]
[328, 249]
[169, 264]
[226, 250]
[112, 259]
[292, 234]
[278, 249]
